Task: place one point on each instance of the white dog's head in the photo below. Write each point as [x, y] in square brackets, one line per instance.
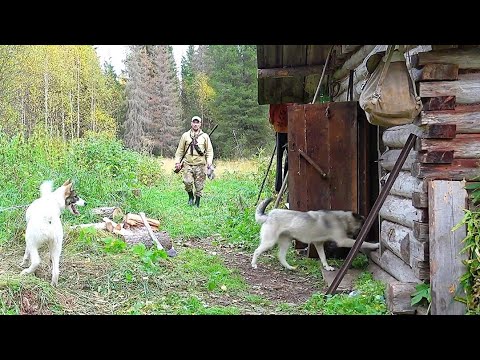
[72, 200]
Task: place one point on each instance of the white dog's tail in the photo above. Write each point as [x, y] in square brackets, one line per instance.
[260, 216]
[46, 188]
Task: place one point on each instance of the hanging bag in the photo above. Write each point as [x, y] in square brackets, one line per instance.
[389, 97]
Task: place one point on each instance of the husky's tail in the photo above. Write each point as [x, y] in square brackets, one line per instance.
[260, 216]
[46, 188]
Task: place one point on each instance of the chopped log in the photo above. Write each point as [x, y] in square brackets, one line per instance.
[464, 58]
[395, 266]
[466, 88]
[435, 157]
[405, 184]
[399, 298]
[459, 169]
[111, 212]
[115, 228]
[418, 250]
[387, 159]
[465, 117]
[433, 71]
[142, 236]
[397, 239]
[401, 211]
[421, 269]
[465, 146]
[98, 226]
[420, 200]
[150, 232]
[396, 136]
[439, 103]
[420, 231]
[447, 201]
[297, 71]
[136, 220]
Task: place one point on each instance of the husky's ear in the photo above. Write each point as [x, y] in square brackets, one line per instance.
[68, 189]
[358, 216]
[69, 181]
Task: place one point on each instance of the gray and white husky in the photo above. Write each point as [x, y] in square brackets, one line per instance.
[281, 226]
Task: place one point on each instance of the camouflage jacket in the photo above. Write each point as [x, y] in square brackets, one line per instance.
[192, 156]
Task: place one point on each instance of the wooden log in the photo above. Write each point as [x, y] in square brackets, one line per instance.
[396, 136]
[418, 250]
[433, 71]
[397, 239]
[466, 89]
[98, 226]
[421, 269]
[142, 236]
[136, 220]
[356, 59]
[465, 146]
[420, 231]
[439, 131]
[387, 159]
[438, 103]
[349, 48]
[399, 298]
[465, 117]
[420, 200]
[464, 58]
[459, 169]
[435, 157]
[395, 266]
[401, 211]
[405, 185]
[111, 212]
[295, 71]
[447, 201]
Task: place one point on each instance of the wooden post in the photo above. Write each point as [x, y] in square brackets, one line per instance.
[446, 199]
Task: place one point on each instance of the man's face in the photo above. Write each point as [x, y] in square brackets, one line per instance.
[196, 125]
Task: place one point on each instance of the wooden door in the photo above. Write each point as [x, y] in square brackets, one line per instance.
[327, 138]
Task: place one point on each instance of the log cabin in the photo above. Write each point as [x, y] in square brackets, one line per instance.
[338, 160]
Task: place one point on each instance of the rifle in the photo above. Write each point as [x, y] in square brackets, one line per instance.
[188, 147]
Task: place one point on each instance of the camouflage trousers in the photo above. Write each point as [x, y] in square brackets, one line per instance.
[194, 175]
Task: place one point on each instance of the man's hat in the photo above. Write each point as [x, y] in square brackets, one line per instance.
[197, 118]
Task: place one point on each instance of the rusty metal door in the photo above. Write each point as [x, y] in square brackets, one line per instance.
[323, 158]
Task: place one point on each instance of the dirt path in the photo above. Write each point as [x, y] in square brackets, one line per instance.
[269, 281]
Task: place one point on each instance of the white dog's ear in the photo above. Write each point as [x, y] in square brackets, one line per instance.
[69, 181]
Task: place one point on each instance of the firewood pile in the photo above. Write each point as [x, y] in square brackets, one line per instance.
[132, 228]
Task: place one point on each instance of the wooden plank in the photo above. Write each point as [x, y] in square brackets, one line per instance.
[439, 72]
[387, 159]
[401, 211]
[398, 298]
[464, 58]
[420, 200]
[466, 88]
[465, 117]
[395, 266]
[439, 103]
[420, 231]
[294, 71]
[465, 146]
[314, 53]
[397, 239]
[272, 90]
[296, 140]
[435, 157]
[292, 87]
[447, 200]
[459, 169]
[405, 184]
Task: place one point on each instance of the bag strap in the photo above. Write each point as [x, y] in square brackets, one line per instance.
[389, 54]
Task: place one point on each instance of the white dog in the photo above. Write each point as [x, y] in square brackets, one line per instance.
[44, 225]
[282, 226]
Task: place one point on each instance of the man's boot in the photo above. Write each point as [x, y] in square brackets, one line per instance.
[190, 198]
[197, 201]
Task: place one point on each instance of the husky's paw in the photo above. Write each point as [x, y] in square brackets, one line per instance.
[25, 272]
[254, 266]
[329, 268]
[291, 267]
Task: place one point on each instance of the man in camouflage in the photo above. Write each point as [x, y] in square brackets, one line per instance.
[198, 158]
